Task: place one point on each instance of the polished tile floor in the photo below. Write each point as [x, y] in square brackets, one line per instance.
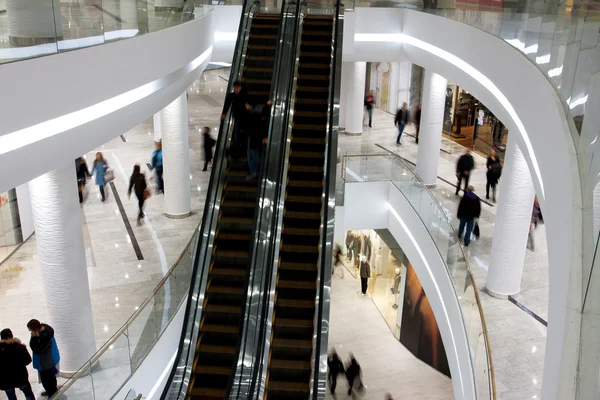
[517, 339]
[119, 281]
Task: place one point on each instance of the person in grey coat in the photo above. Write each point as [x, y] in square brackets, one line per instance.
[365, 274]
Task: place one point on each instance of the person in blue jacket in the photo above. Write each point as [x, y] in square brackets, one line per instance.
[99, 168]
[45, 355]
[157, 163]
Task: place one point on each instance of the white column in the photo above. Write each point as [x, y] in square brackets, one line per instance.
[157, 130]
[432, 118]
[343, 96]
[176, 161]
[355, 100]
[59, 238]
[33, 21]
[512, 224]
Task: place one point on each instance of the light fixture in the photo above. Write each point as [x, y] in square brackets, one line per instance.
[105, 328]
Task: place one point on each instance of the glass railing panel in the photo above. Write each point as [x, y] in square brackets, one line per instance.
[143, 333]
[436, 217]
[113, 363]
[83, 387]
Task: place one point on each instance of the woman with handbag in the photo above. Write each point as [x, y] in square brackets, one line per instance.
[100, 168]
[137, 182]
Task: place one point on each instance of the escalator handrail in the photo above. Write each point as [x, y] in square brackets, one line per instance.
[323, 300]
[250, 344]
[181, 370]
[286, 92]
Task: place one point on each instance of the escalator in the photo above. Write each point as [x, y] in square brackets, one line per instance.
[226, 288]
[302, 259]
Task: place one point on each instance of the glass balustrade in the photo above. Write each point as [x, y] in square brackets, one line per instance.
[435, 216]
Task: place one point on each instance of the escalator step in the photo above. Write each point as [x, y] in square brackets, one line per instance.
[305, 168]
[311, 127]
[310, 114]
[292, 266]
[211, 370]
[299, 248]
[307, 154]
[315, 54]
[314, 43]
[304, 140]
[313, 89]
[312, 101]
[206, 393]
[258, 81]
[208, 348]
[291, 343]
[232, 253]
[259, 58]
[301, 215]
[259, 47]
[237, 220]
[223, 309]
[292, 303]
[234, 236]
[296, 285]
[300, 231]
[228, 271]
[258, 69]
[312, 78]
[220, 328]
[290, 364]
[312, 21]
[225, 290]
[289, 386]
[303, 199]
[315, 184]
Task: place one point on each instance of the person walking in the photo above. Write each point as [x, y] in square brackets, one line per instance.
[208, 144]
[335, 367]
[353, 375]
[156, 162]
[418, 123]
[14, 359]
[468, 209]
[388, 396]
[400, 121]
[45, 355]
[98, 170]
[258, 131]
[365, 274]
[137, 182]
[535, 219]
[237, 101]
[494, 171]
[83, 174]
[370, 104]
[464, 166]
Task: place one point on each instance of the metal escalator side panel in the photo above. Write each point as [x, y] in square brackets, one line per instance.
[181, 374]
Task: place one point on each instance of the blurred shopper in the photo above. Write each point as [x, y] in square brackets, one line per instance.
[418, 123]
[14, 359]
[388, 396]
[536, 214]
[334, 368]
[370, 104]
[400, 121]
[468, 209]
[258, 132]
[83, 173]
[494, 171]
[137, 182]
[464, 166]
[98, 170]
[156, 163]
[353, 375]
[45, 355]
[236, 100]
[365, 274]
[208, 144]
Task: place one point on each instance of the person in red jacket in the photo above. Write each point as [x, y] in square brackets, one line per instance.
[14, 359]
[370, 104]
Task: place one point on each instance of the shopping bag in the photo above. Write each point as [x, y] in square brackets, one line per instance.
[476, 230]
[109, 176]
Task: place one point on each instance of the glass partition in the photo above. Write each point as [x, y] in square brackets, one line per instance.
[34, 28]
[390, 167]
[116, 361]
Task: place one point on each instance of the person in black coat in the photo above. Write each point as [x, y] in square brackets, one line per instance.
[353, 372]
[208, 145]
[83, 174]
[464, 166]
[494, 171]
[258, 132]
[365, 274]
[137, 182]
[418, 123]
[237, 101]
[468, 209]
[14, 359]
[400, 121]
[335, 368]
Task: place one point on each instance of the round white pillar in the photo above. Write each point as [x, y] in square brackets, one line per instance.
[343, 96]
[513, 219]
[432, 118]
[59, 238]
[355, 74]
[176, 158]
[32, 22]
[157, 131]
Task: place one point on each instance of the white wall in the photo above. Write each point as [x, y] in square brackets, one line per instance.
[25, 210]
[380, 205]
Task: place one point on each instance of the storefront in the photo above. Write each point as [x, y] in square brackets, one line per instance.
[469, 123]
[396, 291]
